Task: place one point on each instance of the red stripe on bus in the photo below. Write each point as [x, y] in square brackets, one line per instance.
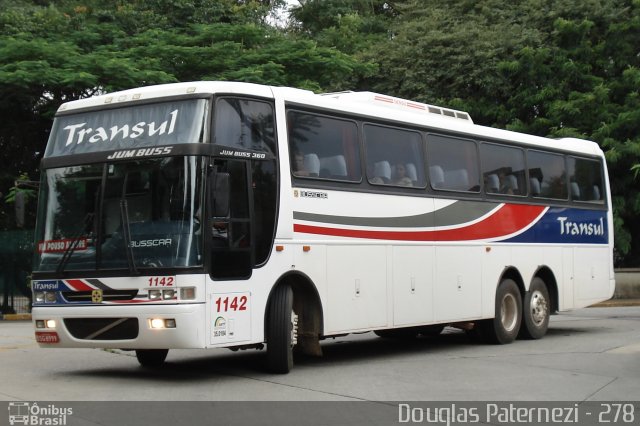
[79, 285]
[507, 220]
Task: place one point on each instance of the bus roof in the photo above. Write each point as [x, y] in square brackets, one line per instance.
[368, 104]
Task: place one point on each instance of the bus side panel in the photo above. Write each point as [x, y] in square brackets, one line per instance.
[458, 291]
[566, 301]
[356, 288]
[591, 268]
[413, 285]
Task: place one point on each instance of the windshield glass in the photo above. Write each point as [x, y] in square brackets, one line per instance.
[125, 215]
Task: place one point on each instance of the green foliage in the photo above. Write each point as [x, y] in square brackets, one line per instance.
[59, 50]
[554, 68]
[19, 187]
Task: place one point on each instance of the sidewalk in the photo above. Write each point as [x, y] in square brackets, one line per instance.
[16, 317]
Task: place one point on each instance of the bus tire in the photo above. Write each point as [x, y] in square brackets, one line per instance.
[281, 330]
[504, 327]
[536, 311]
[151, 357]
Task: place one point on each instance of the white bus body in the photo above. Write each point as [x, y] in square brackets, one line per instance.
[154, 234]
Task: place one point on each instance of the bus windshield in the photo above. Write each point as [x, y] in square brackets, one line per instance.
[124, 215]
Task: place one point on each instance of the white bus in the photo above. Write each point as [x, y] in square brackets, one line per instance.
[220, 214]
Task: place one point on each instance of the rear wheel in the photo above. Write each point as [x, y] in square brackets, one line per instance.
[504, 327]
[151, 357]
[536, 311]
[282, 330]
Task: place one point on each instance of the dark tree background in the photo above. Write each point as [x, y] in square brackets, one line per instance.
[553, 68]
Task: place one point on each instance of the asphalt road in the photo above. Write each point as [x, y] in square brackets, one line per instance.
[591, 354]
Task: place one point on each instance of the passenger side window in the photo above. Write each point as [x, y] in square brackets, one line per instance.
[453, 164]
[323, 147]
[547, 175]
[394, 157]
[585, 180]
[503, 169]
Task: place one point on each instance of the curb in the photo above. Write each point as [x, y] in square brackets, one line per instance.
[616, 303]
[17, 317]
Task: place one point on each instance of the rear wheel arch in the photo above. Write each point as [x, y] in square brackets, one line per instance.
[512, 273]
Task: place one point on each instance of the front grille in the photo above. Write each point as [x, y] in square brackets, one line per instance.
[102, 328]
[107, 295]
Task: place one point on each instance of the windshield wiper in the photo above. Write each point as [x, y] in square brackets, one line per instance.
[126, 233]
[75, 240]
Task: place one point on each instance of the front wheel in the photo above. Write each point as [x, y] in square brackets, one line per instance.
[282, 330]
[151, 357]
[504, 327]
[535, 315]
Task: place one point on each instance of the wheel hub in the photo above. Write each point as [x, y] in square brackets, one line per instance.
[539, 308]
[509, 312]
[294, 329]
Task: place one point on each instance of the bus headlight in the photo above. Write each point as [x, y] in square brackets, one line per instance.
[44, 297]
[155, 294]
[168, 294]
[45, 323]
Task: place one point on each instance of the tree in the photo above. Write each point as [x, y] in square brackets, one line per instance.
[553, 68]
[57, 51]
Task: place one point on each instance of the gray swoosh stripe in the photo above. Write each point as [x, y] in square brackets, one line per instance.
[98, 284]
[454, 214]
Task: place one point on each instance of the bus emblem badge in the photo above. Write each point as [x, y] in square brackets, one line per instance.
[96, 296]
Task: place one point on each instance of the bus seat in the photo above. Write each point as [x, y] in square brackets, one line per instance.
[493, 183]
[575, 191]
[312, 164]
[335, 165]
[436, 175]
[535, 186]
[457, 179]
[412, 172]
[545, 189]
[596, 193]
[511, 185]
[382, 171]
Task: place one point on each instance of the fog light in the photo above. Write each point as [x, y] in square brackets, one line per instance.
[168, 294]
[187, 293]
[155, 294]
[162, 323]
[156, 323]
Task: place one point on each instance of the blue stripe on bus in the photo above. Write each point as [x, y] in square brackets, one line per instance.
[568, 226]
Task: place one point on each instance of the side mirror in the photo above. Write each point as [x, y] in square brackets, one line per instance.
[222, 195]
